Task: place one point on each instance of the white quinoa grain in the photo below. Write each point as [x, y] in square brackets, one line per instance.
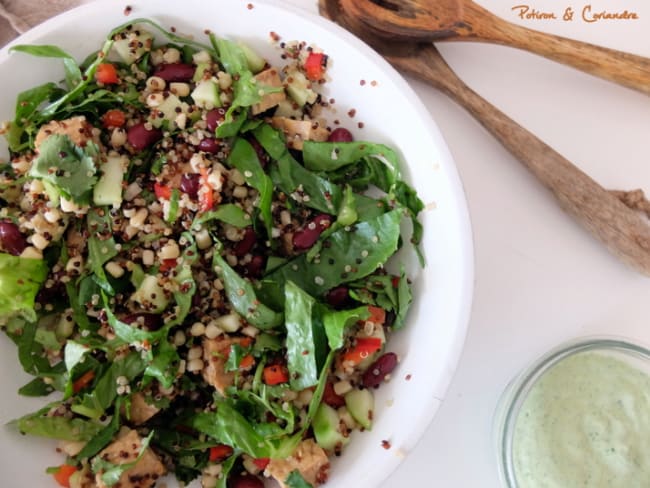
[171, 55]
[36, 187]
[132, 191]
[39, 241]
[169, 251]
[346, 418]
[194, 353]
[118, 137]
[342, 387]
[114, 269]
[215, 180]
[195, 365]
[304, 397]
[198, 160]
[155, 83]
[250, 331]
[203, 239]
[201, 57]
[212, 331]
[130, 231]
[155, 99]
[180, 89]
[240, 192]
[148, 257]
[52, 215]
[224, 79]
[74, 265]
[181, 120]
[182, 364]
[179, 338]
[236, 177]
[229, 323]
[139, 218]
[197, 329]
[285, 217]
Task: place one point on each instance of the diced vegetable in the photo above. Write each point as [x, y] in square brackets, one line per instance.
[275, 375]
[206, 94]
[363, 348]
[63, 473]
[299, 88]
[220, 452]
[361, 405]
[150, 295]
[114, 118]
[108, 189]
[83, 381]
[131, 45]
[107, 74]
[315, 65]
[326, 428]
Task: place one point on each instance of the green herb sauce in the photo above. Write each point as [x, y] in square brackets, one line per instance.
[585, 423]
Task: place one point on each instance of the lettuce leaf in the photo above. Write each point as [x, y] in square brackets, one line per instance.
[20, 280]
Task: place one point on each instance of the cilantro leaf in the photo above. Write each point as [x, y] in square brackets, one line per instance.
[295, 480]
[68, 167]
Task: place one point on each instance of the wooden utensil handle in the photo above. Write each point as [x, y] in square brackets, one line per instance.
[624, 231]
[624, 68]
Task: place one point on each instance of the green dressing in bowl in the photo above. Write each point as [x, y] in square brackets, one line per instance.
[585, 423]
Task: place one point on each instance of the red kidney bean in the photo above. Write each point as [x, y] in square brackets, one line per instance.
[175, 71]
[140, 137]
[338, 297]
[331, 398]
[12, 240]
[245, 481]
[308, 235]
[52, 294]
[377, 372]
[209, 145]
[214, 118]
[340, 135]
[255, 267]
[190, 184]
[148, 321]
[247, 242]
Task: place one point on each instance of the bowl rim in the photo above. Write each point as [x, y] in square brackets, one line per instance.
[517, 390]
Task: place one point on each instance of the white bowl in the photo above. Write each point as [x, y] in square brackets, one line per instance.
[430, 344]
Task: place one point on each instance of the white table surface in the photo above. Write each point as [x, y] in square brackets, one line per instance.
[540, 278]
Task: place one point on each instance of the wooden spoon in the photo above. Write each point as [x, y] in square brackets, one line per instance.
[624, 231]
[464, 20]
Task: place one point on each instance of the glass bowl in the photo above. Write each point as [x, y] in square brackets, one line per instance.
[541, 394]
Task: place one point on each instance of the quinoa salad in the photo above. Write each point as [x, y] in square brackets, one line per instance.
[195, 263]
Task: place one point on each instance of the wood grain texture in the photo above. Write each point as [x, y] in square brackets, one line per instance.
[625, 232]
[464, 20]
